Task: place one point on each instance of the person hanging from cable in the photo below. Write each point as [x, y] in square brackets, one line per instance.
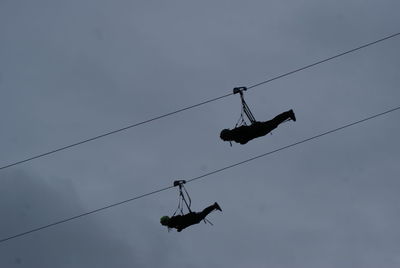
[243, 133]
[182, 221]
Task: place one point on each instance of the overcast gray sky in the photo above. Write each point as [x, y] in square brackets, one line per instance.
[71, 70]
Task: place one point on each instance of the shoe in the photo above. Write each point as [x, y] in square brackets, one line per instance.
[292, 116]
[217, 207]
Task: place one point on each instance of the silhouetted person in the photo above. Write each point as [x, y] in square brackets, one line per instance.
[180, 222]
[243, 134]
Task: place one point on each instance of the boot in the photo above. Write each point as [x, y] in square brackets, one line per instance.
[217, 207]
[292, 116]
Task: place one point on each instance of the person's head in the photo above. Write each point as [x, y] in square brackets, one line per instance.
[164, 220]
[225, 135]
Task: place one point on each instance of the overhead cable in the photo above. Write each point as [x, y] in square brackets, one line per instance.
[324, 60]
[199, 177]
[195, 105]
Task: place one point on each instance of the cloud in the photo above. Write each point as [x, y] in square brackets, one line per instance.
[28, 201]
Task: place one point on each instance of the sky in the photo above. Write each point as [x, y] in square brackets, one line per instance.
[72, 70]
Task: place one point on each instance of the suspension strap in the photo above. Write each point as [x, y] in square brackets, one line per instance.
[241, 121]
[245, 107]
[182, 199]
[208, 221]
[180, 207]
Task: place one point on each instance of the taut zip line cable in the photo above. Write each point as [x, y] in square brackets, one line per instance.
[199, 177]
[324, 60]
[196, 105]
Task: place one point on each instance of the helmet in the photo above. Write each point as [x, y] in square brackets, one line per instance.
[224, 134]
[164, 220]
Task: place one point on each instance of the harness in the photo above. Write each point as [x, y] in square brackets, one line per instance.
[245, 108]
[183, 194]
[245, 112]
[184, 200]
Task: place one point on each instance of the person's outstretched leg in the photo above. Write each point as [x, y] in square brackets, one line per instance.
[266, 127]
[280, 118]
[209, 209]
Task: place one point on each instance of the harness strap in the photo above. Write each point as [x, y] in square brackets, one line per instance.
[245, 108]
[208, 221]
[182, 199]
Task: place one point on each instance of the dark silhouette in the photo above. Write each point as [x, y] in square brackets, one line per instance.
[180, 222]
[244, 133]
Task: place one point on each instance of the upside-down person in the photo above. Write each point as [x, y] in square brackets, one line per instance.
[181, 222]
[245, 133]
